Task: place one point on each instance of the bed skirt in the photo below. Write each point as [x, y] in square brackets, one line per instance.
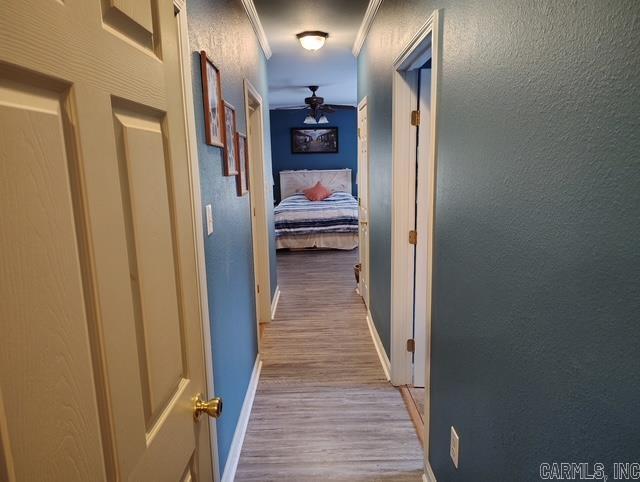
[345, 241]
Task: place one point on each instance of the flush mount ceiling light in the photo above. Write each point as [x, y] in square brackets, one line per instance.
[312, 39]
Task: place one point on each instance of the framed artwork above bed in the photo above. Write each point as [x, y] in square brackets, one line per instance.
[314, 141]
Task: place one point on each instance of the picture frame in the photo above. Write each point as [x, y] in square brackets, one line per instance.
[314, 140]
[212, 100]
[242, 178]
[229, 135]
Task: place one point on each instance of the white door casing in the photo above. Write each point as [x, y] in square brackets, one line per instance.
[259, 201]
[100, 315]
[363, 199]
[423, 45]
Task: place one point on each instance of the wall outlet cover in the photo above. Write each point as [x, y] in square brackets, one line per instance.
[454, 449]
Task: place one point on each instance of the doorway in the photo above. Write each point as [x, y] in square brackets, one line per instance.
[259, 205]
[414, 146]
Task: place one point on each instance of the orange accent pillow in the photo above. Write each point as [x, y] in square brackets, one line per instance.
[317, 192]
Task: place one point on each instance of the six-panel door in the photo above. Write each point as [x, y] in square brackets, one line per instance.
[100, 323]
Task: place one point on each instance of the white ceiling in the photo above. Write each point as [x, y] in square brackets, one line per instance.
[292, 68]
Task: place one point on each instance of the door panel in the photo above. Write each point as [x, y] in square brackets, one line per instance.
[363, 195]
[422, 223]
[100, 300]
[133, 20]
[45, 361]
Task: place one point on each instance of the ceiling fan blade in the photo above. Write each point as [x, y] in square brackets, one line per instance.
[339, 106]
[292, 107]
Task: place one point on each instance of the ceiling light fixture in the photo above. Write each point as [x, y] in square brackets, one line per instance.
[312, 39]
[323, 120]
[310, 120]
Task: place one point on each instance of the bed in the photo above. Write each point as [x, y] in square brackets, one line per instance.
[332, 223]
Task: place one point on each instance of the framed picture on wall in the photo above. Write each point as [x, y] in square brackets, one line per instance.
[212, 99]
[314, 141]
[229, 134]
[242, 178]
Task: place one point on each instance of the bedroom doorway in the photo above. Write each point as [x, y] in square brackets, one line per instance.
[414, 138]
[258, 203]
[363, 199]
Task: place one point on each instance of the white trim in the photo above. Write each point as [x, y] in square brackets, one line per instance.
[196, 205]
[413, 48]
[402, 221]
[361, 36]
[274, 302]
[377, 342]
[259, 203]
[428, 475]
[364, 253]
[243, 421]
[403, 210]
[252, 13]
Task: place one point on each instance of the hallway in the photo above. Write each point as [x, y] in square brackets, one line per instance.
[323, 408]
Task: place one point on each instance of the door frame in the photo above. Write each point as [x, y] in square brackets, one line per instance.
[258, 206]
[425, 43]
[364, 104]
[185, 53]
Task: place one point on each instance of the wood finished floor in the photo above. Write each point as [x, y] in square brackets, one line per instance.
[323, 409]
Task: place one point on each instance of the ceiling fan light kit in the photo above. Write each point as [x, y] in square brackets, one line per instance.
[316, 109]
[312, 39]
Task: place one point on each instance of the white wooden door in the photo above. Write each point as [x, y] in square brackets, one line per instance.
[363, 199]
[422, 222]
[99, 317]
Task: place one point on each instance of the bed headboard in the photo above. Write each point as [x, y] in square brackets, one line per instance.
[292, 182]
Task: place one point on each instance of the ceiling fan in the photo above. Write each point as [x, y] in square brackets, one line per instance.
[316, 107]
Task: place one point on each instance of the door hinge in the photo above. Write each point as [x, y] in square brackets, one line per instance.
[411, 345]
[413, 237]
[254, 212]
[358, 133]
[258, 288]
[415, 117]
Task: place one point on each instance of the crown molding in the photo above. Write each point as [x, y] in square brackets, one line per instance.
[252, 13]
[369, 15]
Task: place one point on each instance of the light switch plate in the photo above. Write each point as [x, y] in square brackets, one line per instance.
[209, 219]
[454, 449]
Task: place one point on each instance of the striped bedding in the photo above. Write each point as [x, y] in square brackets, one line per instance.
[332, 223]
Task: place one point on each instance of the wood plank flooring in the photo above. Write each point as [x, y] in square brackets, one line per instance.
[323, 409]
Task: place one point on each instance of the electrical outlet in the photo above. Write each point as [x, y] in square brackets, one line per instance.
[209, 219]
[454, 449]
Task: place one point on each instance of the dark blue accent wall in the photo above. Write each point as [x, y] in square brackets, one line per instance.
[223, 30]
[536, 331]
[283, 159]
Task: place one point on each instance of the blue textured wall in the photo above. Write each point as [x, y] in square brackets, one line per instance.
[222, 29]
[537, 261]
[283, 159]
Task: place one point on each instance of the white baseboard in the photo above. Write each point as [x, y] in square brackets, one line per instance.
[429, 476]
[274, 302]
[241, 428]
[382, 355]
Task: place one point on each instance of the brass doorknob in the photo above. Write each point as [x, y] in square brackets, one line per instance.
[364, 223]
[212, 407]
